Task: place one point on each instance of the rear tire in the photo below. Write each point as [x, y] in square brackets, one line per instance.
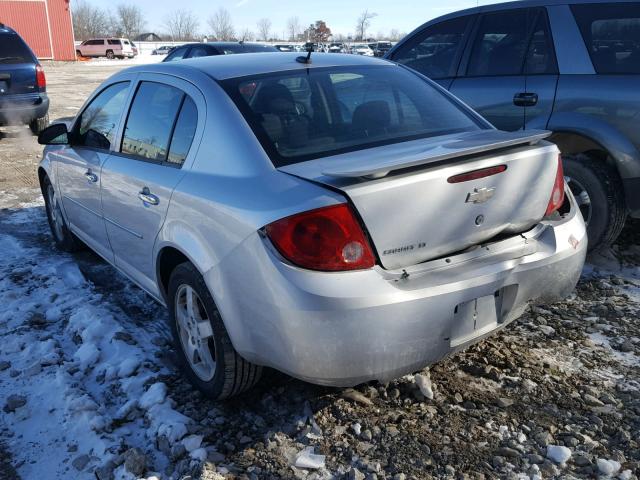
[205, 352]
[110, 54]
[39, 124]
[64, 239]
[78, 53]
[600, 196]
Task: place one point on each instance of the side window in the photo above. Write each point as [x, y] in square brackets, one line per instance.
[434, 52]
[198, 52]
[611, 33]
[151, 119]
[183, 132]
[177, 54]
[113, 42]
[97, 125]
[541, 57]
[500, 44]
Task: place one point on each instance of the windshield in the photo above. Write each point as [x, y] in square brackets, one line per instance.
[14, 50]
[319, 112]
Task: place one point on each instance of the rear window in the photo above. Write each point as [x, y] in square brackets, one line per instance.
[313, 113]
[14, 50]
[611, 32]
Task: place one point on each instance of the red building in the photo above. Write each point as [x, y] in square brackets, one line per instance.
[44, 24]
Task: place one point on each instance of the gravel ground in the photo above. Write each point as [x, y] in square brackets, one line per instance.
[554, 395]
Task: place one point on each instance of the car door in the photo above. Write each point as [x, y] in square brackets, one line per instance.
[436, 51]
[78, 165]
[541, 70]
[491, 77]
[164, 117]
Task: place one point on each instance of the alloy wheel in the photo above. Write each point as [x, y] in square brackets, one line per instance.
[54, 213]
[195, 332]
[582, 198]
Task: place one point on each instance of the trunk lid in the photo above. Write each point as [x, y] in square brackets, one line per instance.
[413, 213]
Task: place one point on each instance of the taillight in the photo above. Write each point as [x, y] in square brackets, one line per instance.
[557, 194]
[327, 239]
[477, 174]
[41, 80]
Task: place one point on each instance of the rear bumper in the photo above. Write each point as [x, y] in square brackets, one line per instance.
[21, 109]
[632, 196]
[342, 329]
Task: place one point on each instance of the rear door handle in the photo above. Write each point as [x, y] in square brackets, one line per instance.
[147, 197]
[525, 99]
[90, 176]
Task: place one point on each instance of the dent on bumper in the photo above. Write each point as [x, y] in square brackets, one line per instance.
[342, 329]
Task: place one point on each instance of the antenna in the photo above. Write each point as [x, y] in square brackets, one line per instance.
[307, 59]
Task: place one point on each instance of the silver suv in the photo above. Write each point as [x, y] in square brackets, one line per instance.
[572, 67]
[106, 47]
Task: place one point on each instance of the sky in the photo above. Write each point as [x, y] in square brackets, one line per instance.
[340, 15]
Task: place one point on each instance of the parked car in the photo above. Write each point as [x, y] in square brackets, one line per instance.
[193, 50]
[381, 48]
[362, 49]
[336, 47]
[163, 50]
[23, 86]
[106, 47]
[357, 238]
[134, 48]
[570, 67]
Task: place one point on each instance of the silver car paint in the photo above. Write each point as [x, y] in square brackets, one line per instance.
[330, 328]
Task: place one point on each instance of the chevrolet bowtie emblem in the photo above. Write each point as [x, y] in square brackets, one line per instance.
[480, 195]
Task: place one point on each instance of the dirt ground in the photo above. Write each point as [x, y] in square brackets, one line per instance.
[563, 378]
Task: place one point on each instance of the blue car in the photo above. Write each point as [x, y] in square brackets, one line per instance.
[23, 87]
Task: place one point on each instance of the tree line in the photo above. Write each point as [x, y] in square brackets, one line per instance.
[128, 21]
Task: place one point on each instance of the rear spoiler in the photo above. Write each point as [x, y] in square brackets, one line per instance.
[471, 144]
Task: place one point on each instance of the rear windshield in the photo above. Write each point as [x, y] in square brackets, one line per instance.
[14, 50]
[611, 32]
[313, 113]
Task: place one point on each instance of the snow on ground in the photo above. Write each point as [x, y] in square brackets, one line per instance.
[88, 376]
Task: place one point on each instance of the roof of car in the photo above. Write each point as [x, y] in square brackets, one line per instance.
[519, 4]
[222, 67]
[6, 29]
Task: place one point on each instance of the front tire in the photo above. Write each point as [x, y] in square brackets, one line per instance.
[205, 352]
[64, 239]
[39, 124]
[600, 196]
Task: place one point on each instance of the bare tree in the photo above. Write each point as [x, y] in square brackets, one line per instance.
[363, 24]
[394, 35]
[182, 25]
[264, 28]
[221, 25]
[130, 21]
[89, 21]
[246, 35]
[294, 28]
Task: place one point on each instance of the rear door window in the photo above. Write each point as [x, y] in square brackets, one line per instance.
[113, 42]
[199, 52]
[611, 33]
[500, 44]
[98, 123]
[183, 133]
[436, 51]
[14, 50]
[151, 121]
[541, 57]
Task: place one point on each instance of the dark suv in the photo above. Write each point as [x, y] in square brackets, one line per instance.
[23, 97]
[194, 50]
[572, 67]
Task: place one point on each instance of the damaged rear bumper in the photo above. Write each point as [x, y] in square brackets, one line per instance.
[342, 329]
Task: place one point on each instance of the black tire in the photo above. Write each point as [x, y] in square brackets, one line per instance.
[607, 211]
[63, 238]
[78, 53]
[110, 54]
[39, 124]
[233, 374]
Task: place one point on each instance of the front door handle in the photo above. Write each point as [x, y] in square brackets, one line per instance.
[147, 197]
[90, 176]
[525, 99]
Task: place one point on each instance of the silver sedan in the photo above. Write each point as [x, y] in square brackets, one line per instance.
[341, 219]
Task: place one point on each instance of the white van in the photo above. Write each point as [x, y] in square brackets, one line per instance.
[106, 47]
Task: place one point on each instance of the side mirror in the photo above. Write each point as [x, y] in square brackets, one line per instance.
[56, 134]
